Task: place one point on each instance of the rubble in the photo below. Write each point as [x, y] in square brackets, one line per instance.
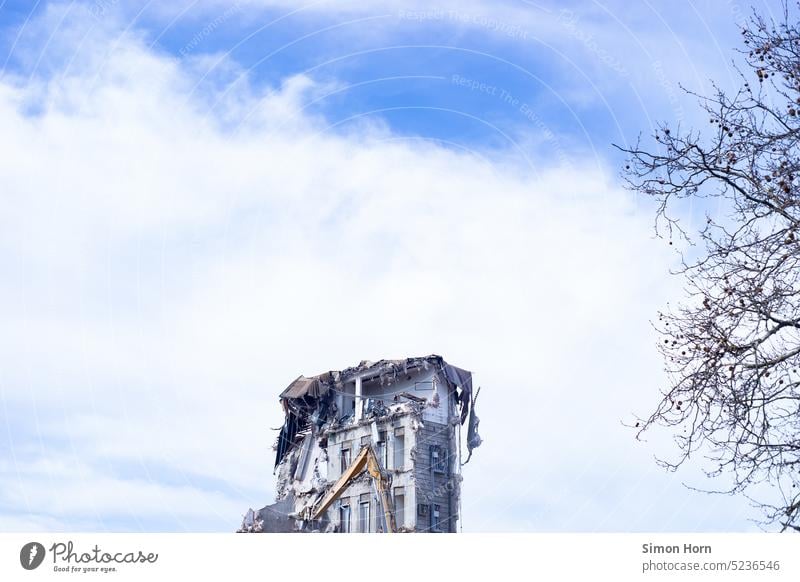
[374, 447]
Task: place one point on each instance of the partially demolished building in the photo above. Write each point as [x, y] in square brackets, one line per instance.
[373, 448]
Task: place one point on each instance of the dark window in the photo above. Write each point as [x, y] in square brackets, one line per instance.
[435, 523]
[382, 451]
[438, 459]
[344, 518]
[399, 507]
[346, 458]
[399, 449]
[363, 516]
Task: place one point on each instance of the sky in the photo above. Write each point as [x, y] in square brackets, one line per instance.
[201, 200]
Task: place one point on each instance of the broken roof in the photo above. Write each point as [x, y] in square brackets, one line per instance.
[310, 398]
[318, 386]
[303, 387]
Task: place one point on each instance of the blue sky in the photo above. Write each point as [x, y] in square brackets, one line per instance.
[203, 199]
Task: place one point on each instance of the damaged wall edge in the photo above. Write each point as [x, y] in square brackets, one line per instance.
[401, 419]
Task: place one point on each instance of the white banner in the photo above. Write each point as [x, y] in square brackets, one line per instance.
[490, 557]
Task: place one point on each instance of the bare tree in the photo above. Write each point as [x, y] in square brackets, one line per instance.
[732, 346]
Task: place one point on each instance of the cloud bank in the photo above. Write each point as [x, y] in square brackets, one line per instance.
[177, 246]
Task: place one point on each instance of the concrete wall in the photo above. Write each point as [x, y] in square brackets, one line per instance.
[402, 476]
[422, 383]
[435, 488]
[415, 476]
[447, 405]
[419, 383]
[419, 478]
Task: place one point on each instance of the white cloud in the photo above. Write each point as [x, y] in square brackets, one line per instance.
[67, 494]
[175, 254]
